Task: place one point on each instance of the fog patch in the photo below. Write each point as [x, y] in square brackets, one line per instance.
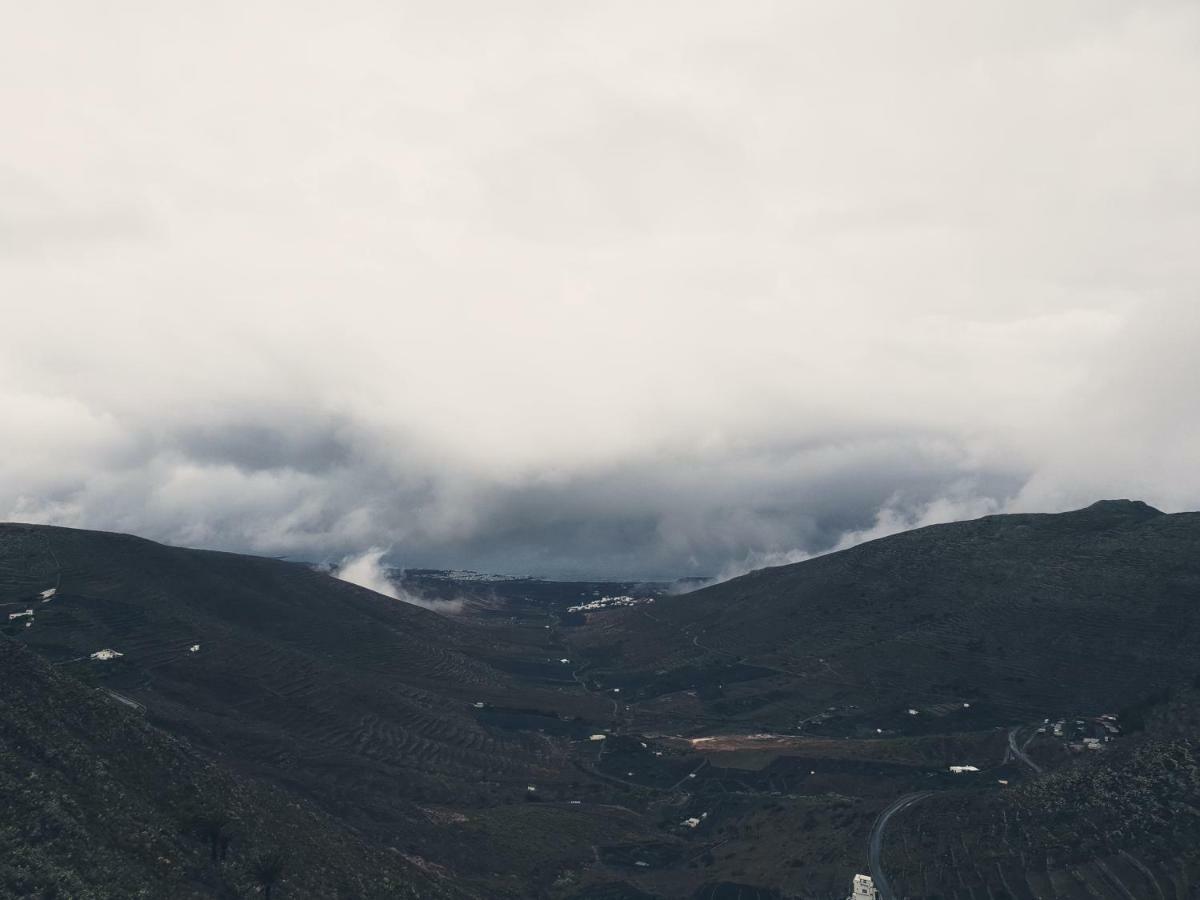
[367, 570]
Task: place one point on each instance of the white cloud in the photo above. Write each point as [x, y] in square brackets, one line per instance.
[614, 286]
[367, 570]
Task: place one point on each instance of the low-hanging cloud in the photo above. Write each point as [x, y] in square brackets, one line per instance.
[896, 515]
[367, 570]
[598, 289]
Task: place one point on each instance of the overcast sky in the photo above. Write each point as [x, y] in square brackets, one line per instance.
[645, 288]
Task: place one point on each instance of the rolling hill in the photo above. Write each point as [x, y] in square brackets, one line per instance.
[1019, 616]
[378, 712]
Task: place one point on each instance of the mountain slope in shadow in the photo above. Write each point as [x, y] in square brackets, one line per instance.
[1017, 615]
[99, 803]
[358, 703]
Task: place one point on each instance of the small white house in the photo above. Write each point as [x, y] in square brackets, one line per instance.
[863, 888]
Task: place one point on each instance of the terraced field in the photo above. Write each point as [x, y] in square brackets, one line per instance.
[1124, 825]
[97, 803]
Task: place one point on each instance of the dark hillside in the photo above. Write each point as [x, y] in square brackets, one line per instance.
[99, 804]
[1019, 615]
[293, 667]
[362, 704]
[1121, 822]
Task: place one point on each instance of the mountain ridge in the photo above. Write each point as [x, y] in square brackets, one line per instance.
[1113, 582]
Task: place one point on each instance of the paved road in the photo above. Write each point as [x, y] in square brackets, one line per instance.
[121, 698]
[1019, 751]
[875, 843]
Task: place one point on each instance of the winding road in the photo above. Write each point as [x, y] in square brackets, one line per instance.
[1019, 752]
[875, 842]
[1016, 749]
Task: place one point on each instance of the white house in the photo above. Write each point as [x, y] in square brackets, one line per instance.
[863, 888]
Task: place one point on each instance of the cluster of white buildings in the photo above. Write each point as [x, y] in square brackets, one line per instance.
[609, 602]
[469, 575]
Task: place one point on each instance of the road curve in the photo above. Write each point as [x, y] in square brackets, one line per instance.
[1019, 752]
[875, 842]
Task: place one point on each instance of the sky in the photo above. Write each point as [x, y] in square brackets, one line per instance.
[624, 288]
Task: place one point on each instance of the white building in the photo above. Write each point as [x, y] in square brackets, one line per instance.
[863, 888]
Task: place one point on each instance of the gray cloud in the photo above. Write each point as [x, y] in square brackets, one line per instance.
[647, 291]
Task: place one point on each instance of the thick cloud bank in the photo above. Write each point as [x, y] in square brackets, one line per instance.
[628, 288]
